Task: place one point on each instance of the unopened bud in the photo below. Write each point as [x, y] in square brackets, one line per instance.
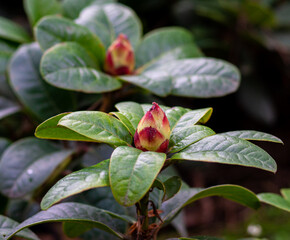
[120, 57]
[153, 131]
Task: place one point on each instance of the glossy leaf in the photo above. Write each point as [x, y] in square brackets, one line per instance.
[36, 9]
[99, 126]
[164, 45]
[70, 66]
[53, 30]
[7, 107]
[109, 20]
[50, 129]
[7, 225]
[13, 32]
[275, 200]
[132, 173]
[228, 150]
[41, 99]
[76, 182]
[200, 77]
[72, 8]
[4, 143]
[36, 161]
[185, 136]
[125, 121]
[232, 192]
[286, 193]
[254, 135]
[72, 212]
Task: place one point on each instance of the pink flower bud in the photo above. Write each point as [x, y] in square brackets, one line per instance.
[120, 57]
[153, 131]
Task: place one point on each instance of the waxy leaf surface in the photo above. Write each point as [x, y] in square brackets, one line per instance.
[72, 212]
[40, 98]
[7, 225]
[70, 66]
[275, 200]
[164, 45]
[254, 135]
[232, 192]
[98, 126]
[229, 150]
[76, 182]
[109, 20]
[132, 173]
[28, 163]
[53, 30]
[200, 78]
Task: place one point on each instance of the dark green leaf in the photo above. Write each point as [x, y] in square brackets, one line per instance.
[275, 200]
[36, 161]
[72, 8]
[132, 173]
[41, 99]
[76, 182]
[254, 135]
[172, 186]
[125, 121]
[99, 126]
[232, 192]
[13, 32]
[53, 30]
[72, 212]
[200, 77]
[8, 107]
[7, 225]
[50, 129]
[70, 66]
[36, 9]
[109, 20]
[184, 136]
[286, 193]
[164, 45]
[229, 150]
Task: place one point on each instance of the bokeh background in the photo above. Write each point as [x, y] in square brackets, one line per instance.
[255, 36]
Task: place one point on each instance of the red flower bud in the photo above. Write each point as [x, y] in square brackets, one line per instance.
[153, 131]
[120, 57]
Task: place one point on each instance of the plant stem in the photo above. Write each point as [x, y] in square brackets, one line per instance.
[143, 220]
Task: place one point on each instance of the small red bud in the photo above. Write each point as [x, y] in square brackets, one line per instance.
[120, 57]
[153, 131]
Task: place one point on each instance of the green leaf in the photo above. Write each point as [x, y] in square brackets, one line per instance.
[200, 78]
[72, 212]
[184, 136]
[76, 182]
[4, 143]
[50, 129]
[40, 98]
[125, 121]
[286, 193]
[36, 161]
[164, 45]
[98, 126]
[172, 186]
[7, 225]
[275, 200]
[132, 173]
[13, 32]
[7, 107]
[36, 9]
[228, 150]
[70, 66]
[254, 135]
[6, 50]
[201, 238]
[132, 111]
[72, 8]
[109, 20]
[53, 30]
[232, 192]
